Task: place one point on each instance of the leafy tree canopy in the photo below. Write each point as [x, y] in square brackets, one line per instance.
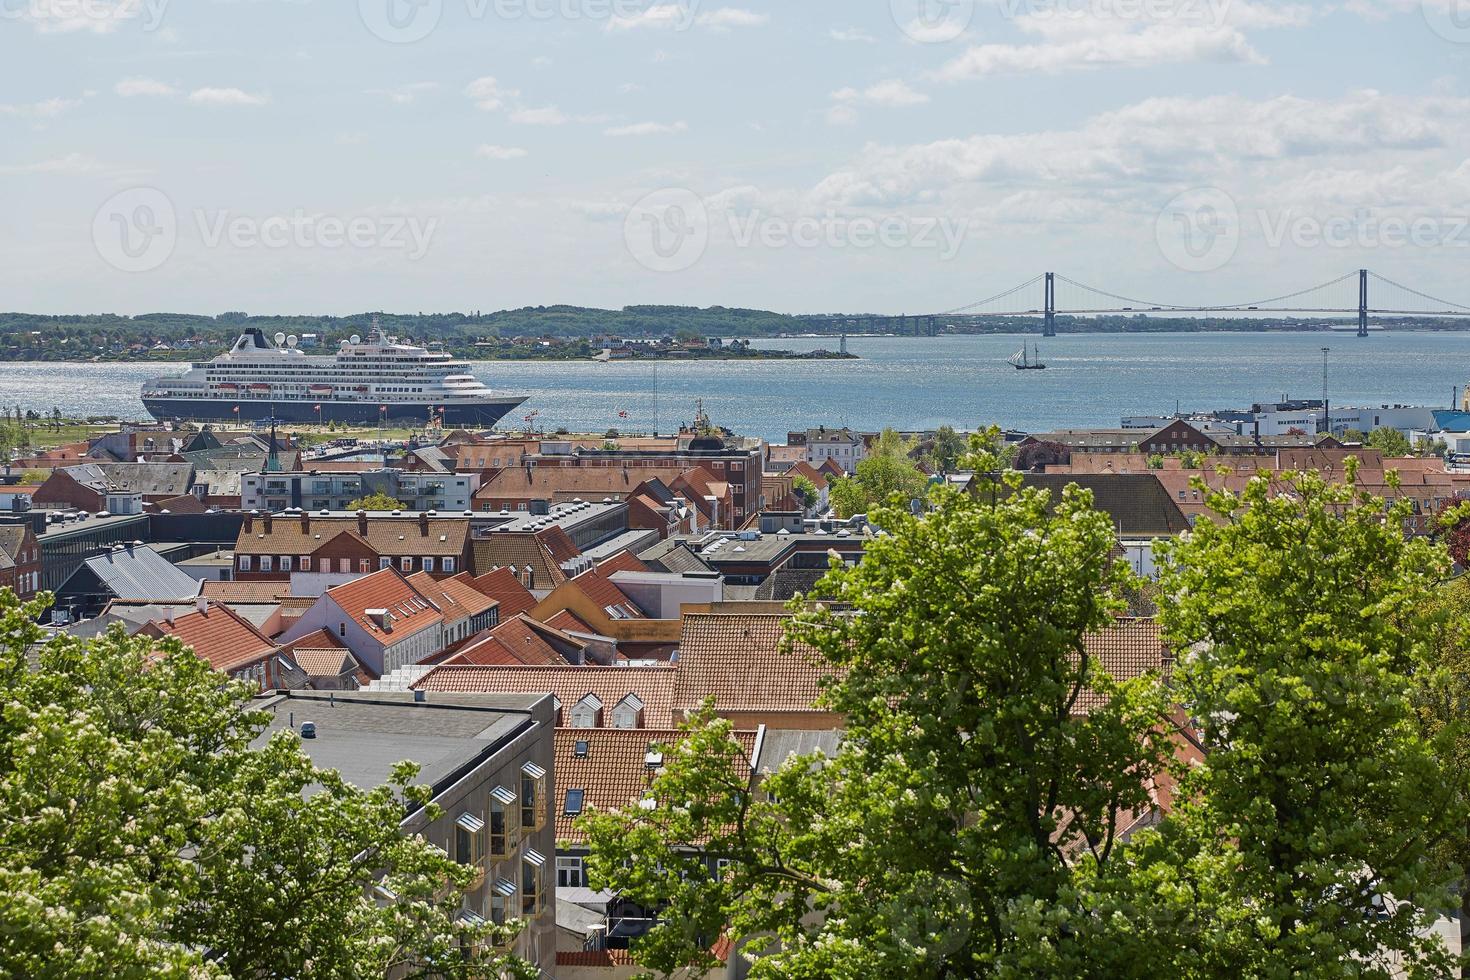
[144, 837]
[377, 502]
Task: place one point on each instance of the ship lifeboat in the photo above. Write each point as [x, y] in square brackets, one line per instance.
[260, 387]
[321, 389]
[228, 386]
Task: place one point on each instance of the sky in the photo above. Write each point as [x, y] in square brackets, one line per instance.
[912, 156]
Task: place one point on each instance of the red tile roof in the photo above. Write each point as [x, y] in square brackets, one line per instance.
[566, 620]
[517, 641]
[1128, 649]
[623, 561]
[614, 772]
[410, 609]
[654, 686]
[217, 635]
[456, 598]
[736, 657]
[595, 586]
[320, 654]
[503, 586]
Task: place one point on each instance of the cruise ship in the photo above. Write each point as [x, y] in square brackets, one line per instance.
[364, 383]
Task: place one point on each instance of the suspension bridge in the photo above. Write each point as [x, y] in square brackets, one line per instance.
[1361, 293]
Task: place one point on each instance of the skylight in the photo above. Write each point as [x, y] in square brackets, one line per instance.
[575, 797]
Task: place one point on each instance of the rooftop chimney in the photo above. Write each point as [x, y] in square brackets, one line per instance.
[424, 524]
[305, 522]
[267, 520]
[362, 523]
[249, 523]
[203, 603]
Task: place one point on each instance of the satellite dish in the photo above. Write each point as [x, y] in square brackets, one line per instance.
[280, 339]
[356, 339]
[292, 341]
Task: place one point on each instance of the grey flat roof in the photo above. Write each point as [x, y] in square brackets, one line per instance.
[363, 735]
[141, 573]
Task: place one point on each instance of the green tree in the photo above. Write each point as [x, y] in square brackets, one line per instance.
[888, 469]
[1391, 442]
[949, 446]
[1304, 843]
[805, 490]
[143, 836]
[377, 502]
[968, 787]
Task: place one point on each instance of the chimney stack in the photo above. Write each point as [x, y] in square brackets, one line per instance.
[305, 522]
[362, 523]
[203, 603]
[267, 520]
[424, 524]
[249, 523]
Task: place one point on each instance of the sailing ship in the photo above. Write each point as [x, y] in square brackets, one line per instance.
[1022, 360]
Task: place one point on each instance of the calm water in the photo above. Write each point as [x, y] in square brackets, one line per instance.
[1091, 380]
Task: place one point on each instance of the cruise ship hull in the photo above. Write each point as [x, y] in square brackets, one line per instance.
[482, 414]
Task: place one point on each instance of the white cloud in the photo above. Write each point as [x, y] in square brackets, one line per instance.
[1157, 45]
[131, 87]
[489, 151]
[544, 116]
[851, 35]
[842, 115]
[44, 109]
[1160, 142]
[487, 94]
[72, 163]
[890, 93]
[404, 94]
[226, 97]
[681, 16]
[646, 129]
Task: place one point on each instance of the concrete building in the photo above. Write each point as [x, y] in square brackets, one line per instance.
[317, 491]
[488, 760]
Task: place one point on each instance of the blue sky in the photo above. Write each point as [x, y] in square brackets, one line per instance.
[331, 156]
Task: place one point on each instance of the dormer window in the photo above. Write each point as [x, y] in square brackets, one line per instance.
[587, 713]
[628, 713]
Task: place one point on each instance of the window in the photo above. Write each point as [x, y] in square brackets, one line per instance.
[531, 865]
[569, 873]
[533, 796]
[304, 563]
[448, 564]
[265, 563]
[364, 565]
[428, 564]
[405, 563]
[341, 629]
[500, 899]
[580, 748]
[628, 713]
[585, 712]
[503, 811]
[575, 800]
[244, 563]
[385, 563]
[468, 839]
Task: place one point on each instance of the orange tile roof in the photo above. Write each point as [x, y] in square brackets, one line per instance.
[320, 654]
[217, 635]
[623, 561]
[246, 591]
[519, 641]
[736, 656]
[388, 589]
[502, 586]
[614, 772]
[654, 686]
[568, 620]
[595, 586]
[390, 536]
[455, 597]
[1128, 649]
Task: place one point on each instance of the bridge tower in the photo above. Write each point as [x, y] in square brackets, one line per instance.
[933, 328]
[1050, 329]
[1362, 302]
